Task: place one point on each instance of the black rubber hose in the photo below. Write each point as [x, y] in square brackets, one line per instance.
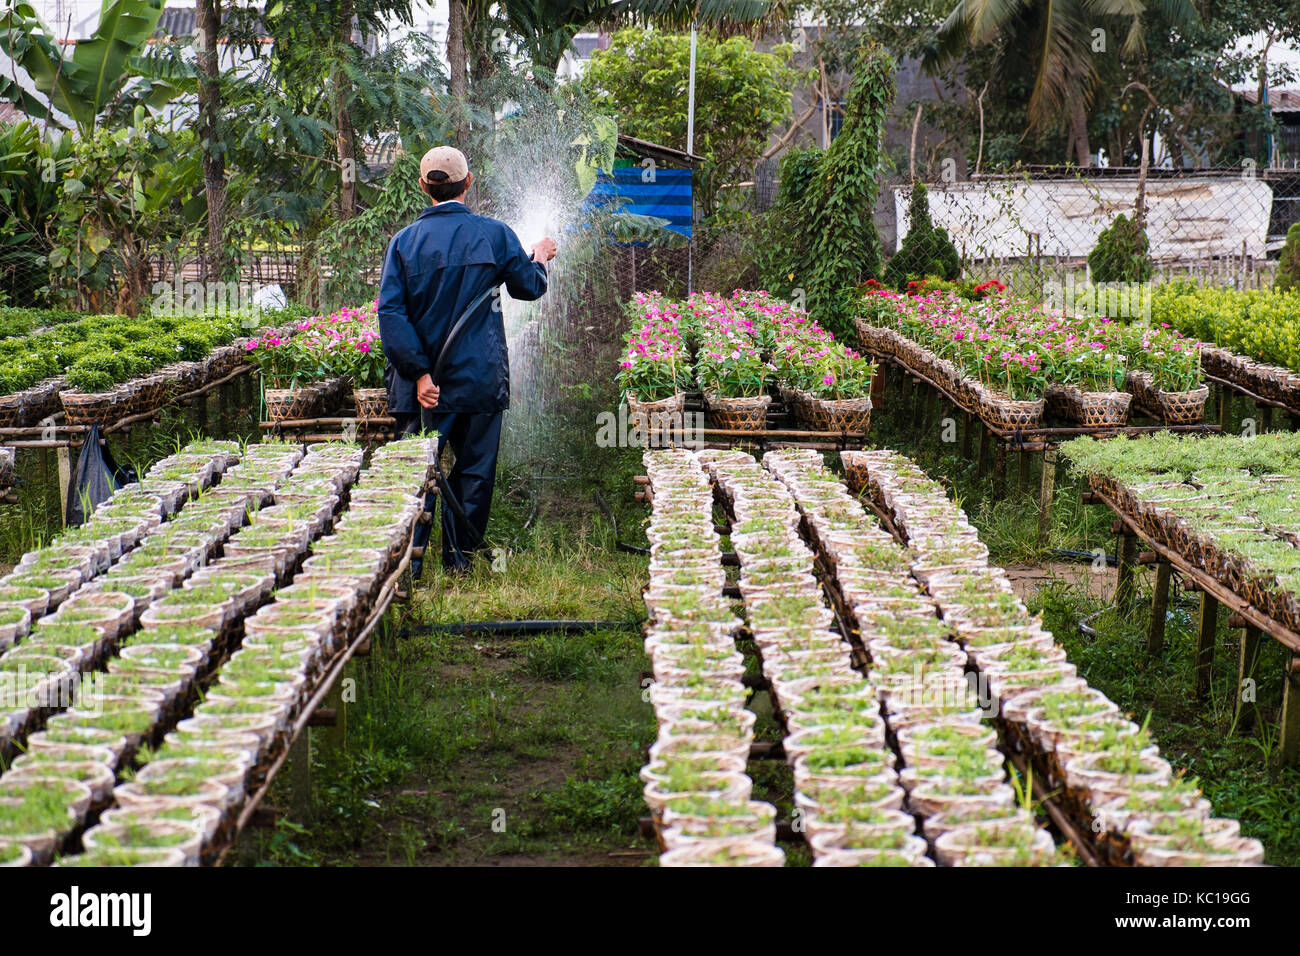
[521, 628]
[1083, 555]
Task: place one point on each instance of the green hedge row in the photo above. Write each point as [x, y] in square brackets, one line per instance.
[1261, 323]
[96, 352]
[16, 322]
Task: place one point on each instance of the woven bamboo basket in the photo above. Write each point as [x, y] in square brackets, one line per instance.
[855, 470]
[83, 408]
[1217, 362]
[43, 401]
[370, 402]
[839, 415]
[13, 410]
[1182, 408]
[654, 415]
[1102, 409]
[6, 467]
[868, 339]
[1056, 401]
[1012, 414]
[289, 403]
[739, 414]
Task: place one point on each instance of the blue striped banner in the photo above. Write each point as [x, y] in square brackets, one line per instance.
[668, 197]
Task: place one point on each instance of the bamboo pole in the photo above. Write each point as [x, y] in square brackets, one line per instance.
[1046, 492]
[1126, 577]
[1205, 639]
[1289, 736]
[1246, 708]
[1159, 610]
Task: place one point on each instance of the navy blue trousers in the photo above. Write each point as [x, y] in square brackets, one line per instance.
[475, 439]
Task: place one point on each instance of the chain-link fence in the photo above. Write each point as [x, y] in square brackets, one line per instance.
[1222, 225]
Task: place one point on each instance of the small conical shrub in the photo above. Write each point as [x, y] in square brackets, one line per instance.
[1288, 266]
[1121, 253]
[926, 251]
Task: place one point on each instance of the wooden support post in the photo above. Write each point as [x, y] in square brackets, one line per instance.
[1022, 473]
[1205, 638]
[1046, 492]
[878, 390]
[1265, 419]
[982, 463]
[300, 776]
[201, 412]
[45, 482]
[335, 737]
[1000, 470]
[967, 430]
[1126, 577]
[1159, 610]
[64, 455]
[1289, 736]
[905, 391]
[1246, 709]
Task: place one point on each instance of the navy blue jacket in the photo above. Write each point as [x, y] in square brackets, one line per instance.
[433, 270]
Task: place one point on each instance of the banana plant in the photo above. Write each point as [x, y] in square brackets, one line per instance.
[101, 72]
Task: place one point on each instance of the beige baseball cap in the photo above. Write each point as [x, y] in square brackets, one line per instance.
[444, 159]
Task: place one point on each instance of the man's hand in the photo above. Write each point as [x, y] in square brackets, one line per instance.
[426, 393]
[544, 250]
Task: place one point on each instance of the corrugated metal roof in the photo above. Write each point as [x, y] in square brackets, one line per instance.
[177, 21]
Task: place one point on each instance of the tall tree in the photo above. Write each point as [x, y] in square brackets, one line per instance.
[208, 16]
[1064, 40]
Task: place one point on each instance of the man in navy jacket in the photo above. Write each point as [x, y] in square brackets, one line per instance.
[434, 270]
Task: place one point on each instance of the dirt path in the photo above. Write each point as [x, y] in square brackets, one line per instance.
[1026, 579]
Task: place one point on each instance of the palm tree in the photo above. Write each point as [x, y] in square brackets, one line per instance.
[1063, 41]
[547, 27]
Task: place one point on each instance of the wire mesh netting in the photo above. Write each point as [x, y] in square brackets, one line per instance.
[1221, 225]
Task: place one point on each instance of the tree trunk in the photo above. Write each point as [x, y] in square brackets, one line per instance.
[458, 82]
[214, 157]
[1140, 213]
[1079, 133]
[347, 135]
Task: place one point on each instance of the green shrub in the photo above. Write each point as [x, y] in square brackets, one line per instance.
[1261, 323]
[90, 380]
[1121, 253]
[926, 251]
[1288, 266]
[832, 241]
